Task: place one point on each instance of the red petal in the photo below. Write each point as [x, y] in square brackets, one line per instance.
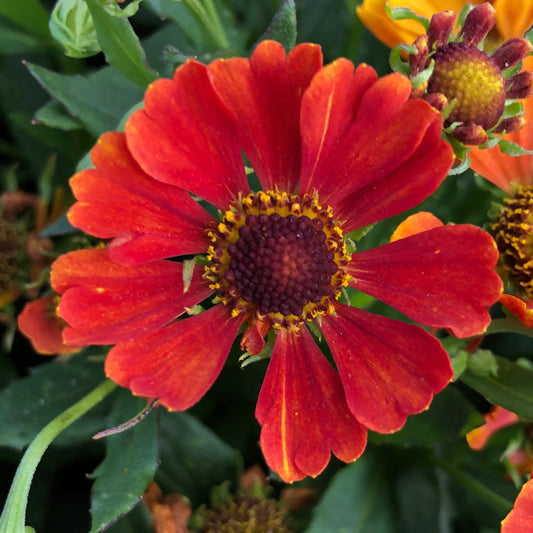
[520, 519]
[405, 186]
[442, 277]
[303, 411]
[39, 322]
[106, 303]
[523, 309]
[373, 140]
[179, 363]
[152, 220]
[263, 96]
[417, 223]
[497, 418]
[183, 137]
[389, 369]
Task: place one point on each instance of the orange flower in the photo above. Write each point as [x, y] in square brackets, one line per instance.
[512, 18]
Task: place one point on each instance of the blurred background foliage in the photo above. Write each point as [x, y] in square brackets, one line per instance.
[424, 478]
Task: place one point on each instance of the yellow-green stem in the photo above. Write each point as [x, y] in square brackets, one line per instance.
[14, 514]
[208, 17]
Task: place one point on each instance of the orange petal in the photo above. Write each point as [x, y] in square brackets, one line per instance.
[263, 96]
[520, 519]
[184, 137]
[152, 220]
[443, 277]
[105, 303]
[414, 224]
[389, 369]
[176, 364]
[303, 411]
[40, 323]
[373, 16]
[523, 309]
[497, 418]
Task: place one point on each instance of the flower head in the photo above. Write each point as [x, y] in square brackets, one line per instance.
[513, 18]
[471, 87]
[333, 149]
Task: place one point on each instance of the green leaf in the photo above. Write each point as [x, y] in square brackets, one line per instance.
[357, 500]
[54, 115]
[121, 46]
[482, 363]
[193, 458]
[511, 148]
[129, 464]
[99, 100]
[511, 388]
[283, 26]
[28, 14]
[28, 404]
[181, 16]
[60, 227]
[14, 41]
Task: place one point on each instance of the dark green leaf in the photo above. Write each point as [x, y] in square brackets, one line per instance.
[28, 404]
[121, 46]
[129, 464]
[180, 15]
[13, 41]
[193, 458]
[357, 500]
[28, 14]
[54, 115]
[283, 26]
[99, 100]
[511, 388]
[60, 227]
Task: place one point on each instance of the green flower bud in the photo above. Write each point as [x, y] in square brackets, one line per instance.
[71, 25]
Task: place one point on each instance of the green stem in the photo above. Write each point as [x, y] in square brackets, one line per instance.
[508, 325]
[208, 17]
[14, 514]
[476, 487]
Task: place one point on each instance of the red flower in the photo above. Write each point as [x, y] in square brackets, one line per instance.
[334, 150]
[520, 519]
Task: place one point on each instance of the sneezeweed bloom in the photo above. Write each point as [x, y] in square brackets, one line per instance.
[333, 149]
[520, 519]
[513, 18]
[471, 88]
[513, 226]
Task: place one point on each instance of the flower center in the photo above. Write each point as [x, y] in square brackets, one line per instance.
[245, 514]
[8, 254]
[513, 233]
[473, 79]
[278, 256]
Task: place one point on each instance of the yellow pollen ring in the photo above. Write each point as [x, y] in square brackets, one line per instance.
[283, 204]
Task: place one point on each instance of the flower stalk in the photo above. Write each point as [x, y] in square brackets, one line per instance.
[207, 15]
[13, 516]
